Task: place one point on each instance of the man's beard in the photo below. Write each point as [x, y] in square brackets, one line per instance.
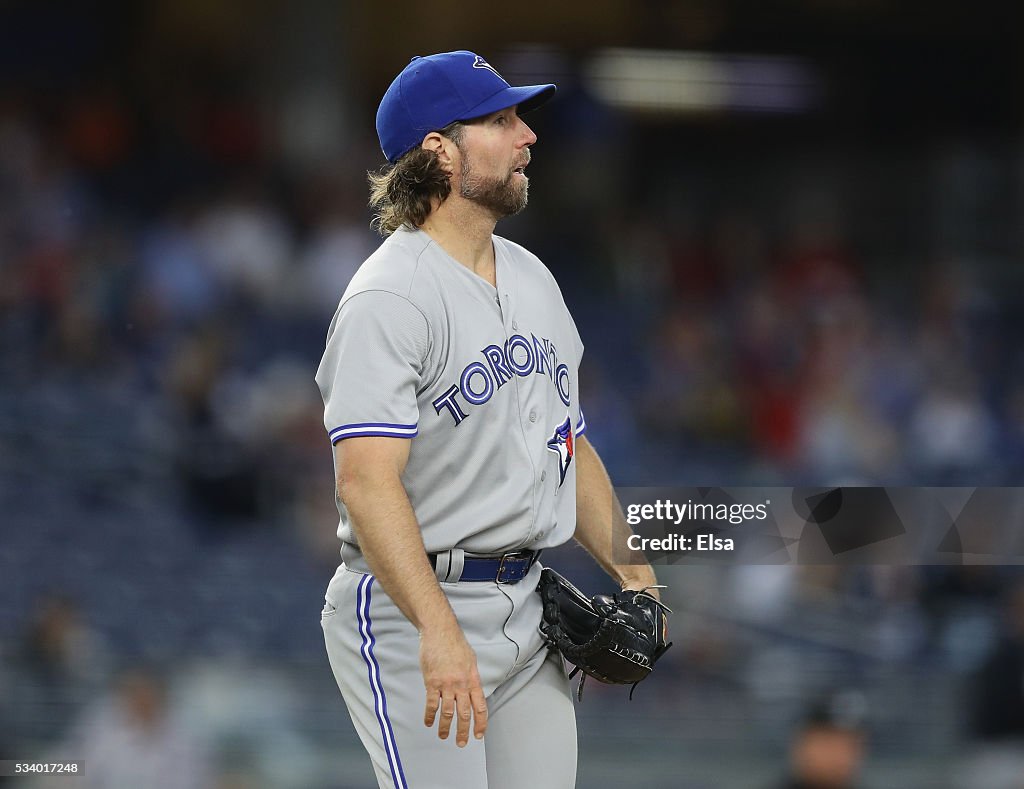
[505, 197]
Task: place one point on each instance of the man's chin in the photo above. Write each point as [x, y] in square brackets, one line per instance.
[513, 208]
[508, 200]
[522, 197]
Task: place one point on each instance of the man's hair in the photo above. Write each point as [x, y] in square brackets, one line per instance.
[401, 193]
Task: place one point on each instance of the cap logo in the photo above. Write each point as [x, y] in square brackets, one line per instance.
[481, 63]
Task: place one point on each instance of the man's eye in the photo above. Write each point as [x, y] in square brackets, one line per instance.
[500, 119]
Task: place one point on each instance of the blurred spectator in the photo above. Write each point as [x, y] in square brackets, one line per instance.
[133, 738]
[999, 699]
[59, 647]
[998, 707]
[951, 432]
[218, 468]
[829, 747]
[339, 240]
[177, 282]
[248, 244]
[59, 665]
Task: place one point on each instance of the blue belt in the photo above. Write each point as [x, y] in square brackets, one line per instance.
[508, 569]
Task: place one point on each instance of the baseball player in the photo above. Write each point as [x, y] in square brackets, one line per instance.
[451, 394]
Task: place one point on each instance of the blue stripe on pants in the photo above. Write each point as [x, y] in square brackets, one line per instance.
[373, 672]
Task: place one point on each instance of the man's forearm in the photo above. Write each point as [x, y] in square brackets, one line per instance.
[391, 542]
[601, 527]
[370, 485]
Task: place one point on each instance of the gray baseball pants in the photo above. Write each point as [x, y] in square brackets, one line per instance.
[374, 653]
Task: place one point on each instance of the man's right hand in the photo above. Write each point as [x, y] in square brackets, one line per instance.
[452, 683]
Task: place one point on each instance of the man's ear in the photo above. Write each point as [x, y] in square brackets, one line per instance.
[442, 147]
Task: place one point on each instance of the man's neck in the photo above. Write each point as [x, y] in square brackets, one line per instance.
[463, 230]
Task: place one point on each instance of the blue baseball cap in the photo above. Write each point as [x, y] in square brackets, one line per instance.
[436, 90]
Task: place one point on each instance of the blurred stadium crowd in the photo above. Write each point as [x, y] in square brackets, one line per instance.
[167, 274]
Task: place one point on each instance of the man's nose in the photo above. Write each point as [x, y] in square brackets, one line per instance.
[529, 138]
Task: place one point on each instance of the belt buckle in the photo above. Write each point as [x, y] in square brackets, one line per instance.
[502, 578]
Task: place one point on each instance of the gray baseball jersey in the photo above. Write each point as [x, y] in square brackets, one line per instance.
[483, 381]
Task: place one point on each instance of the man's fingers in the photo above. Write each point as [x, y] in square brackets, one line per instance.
[447, 713]
[433, 702]
[452, 684]
[465, 712]
[465, 707]
[476, 694]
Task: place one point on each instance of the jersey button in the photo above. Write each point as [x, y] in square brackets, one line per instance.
[543, 476]
[533, 416]
[515, 326]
